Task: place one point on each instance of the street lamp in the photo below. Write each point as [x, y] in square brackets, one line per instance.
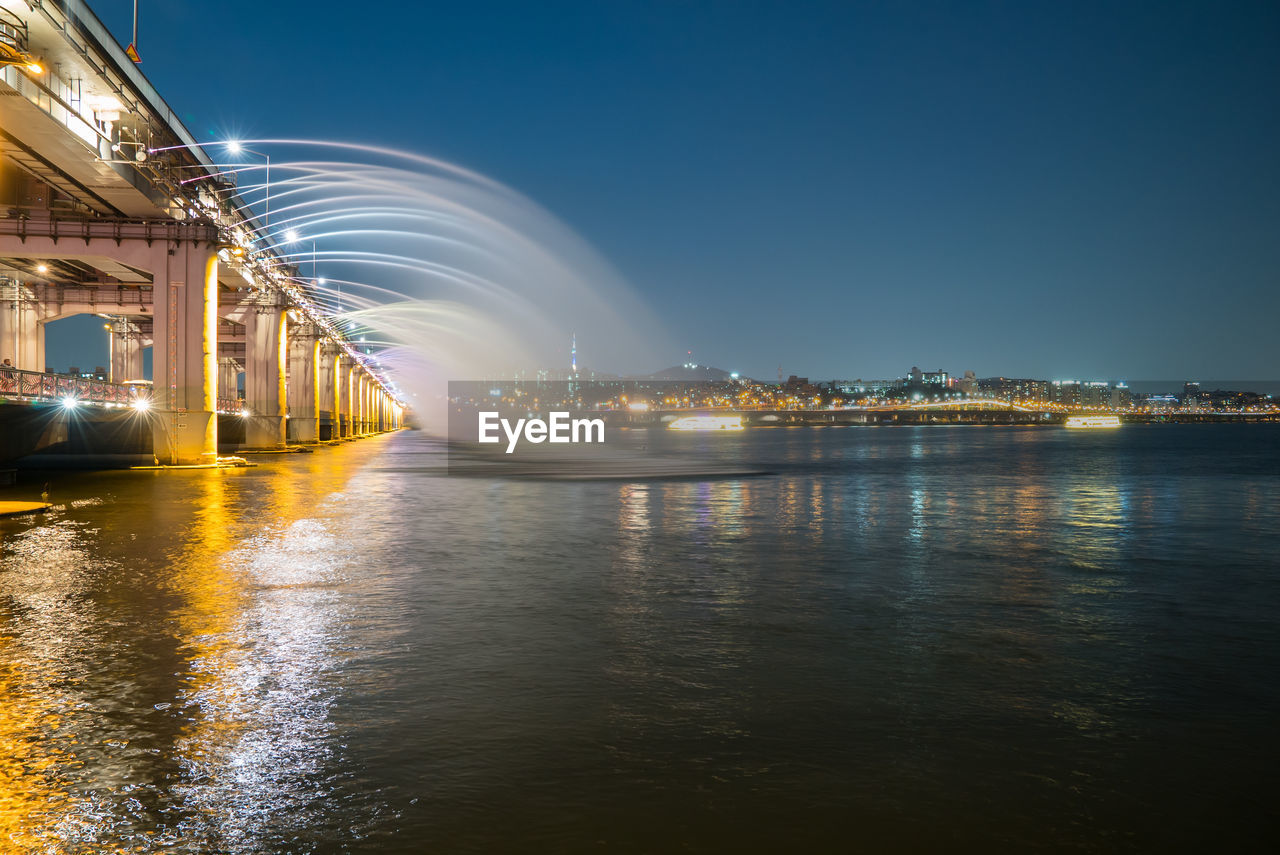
[236, 148]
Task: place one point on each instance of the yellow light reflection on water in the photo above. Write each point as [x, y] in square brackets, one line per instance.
[164, 658]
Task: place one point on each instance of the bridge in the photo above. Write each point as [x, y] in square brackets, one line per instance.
[954, 411]
[110, 207]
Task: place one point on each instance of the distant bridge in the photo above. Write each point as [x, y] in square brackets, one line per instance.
[963, 404]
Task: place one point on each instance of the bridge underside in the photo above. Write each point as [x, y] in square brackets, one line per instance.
[164, 286]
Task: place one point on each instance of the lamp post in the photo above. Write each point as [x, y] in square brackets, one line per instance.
[111, 352]
[236, 148]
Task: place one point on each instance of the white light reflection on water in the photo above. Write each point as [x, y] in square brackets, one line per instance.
[259, 743]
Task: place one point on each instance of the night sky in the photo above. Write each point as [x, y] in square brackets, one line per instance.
[845, 189]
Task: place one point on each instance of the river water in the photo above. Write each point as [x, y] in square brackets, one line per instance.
[904, 639]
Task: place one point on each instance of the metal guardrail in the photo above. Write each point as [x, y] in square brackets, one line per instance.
[13, 36]
[90, 228]
[34, 386]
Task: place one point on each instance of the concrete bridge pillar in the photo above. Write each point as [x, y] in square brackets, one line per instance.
[21, 327]
[126, 351]
[366, 401]
[346, 385]
[357, 401]
[327, 402]
[265, 351]
[304, 384]
[185, 351]
[229, 371]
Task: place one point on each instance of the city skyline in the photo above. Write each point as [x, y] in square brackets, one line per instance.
[1083, 192]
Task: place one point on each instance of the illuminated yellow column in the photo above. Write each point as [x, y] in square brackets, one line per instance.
[184, 370]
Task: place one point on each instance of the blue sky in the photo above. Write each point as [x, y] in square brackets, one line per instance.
[845, 189]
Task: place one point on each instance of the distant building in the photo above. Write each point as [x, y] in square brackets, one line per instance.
[1193, 400]
[928, 378]
[1101, 394]
[1121, 397]
[1161, 402]
[927, 385]
[866, 388]
[1095, 393]
[1015, 390]
[1067, 393]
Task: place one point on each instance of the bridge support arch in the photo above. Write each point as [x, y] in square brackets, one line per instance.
[183, 263]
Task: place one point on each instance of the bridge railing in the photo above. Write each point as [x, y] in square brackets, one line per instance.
[25, 223]
[34, 386]
[13, 36]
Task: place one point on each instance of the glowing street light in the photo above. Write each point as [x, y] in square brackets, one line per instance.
[237, 148]
[291, 235]
[69, 403]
